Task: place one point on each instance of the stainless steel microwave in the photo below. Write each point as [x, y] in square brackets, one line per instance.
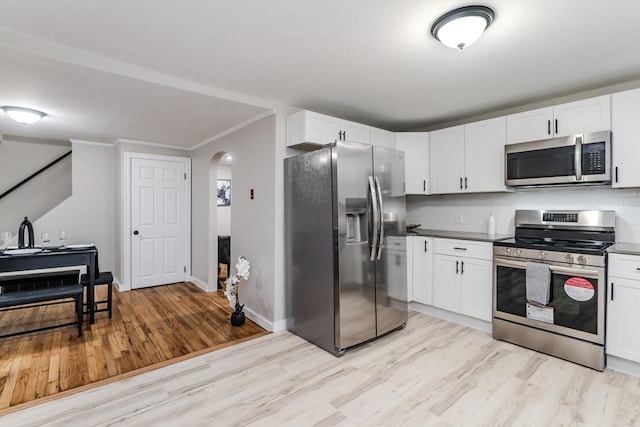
[577, 159]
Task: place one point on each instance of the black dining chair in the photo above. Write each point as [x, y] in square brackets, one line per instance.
[103, 278]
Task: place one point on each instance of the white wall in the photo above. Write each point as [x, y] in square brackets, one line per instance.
[224, 212]
[88, 216]
[20, 157]
[439, 212]
[252, 228]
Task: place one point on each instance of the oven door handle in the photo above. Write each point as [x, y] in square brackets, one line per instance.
[592, 274]
[509, 263]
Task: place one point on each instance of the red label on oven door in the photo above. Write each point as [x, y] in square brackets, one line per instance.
[579, 289]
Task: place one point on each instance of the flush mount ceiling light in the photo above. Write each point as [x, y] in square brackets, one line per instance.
[462, 27]
[26, 116]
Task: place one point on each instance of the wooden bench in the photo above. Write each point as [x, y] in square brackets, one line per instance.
[18, 298]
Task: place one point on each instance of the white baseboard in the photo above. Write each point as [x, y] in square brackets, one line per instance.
[199, 283]
[261, 321]
[119, 285]
[280, 325]
[623, 365]
[453, 317]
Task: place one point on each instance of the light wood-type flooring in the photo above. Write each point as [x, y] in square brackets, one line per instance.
[149, 326]
[432, 373]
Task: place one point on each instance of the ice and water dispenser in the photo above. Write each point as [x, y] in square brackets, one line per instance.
[356, 209]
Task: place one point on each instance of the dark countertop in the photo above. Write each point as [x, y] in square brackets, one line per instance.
[460, 235]
[625, 248]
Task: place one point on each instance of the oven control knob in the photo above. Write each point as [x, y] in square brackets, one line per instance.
[518, 252]
[568, 258]
[582, 259]
[508, 251]
[542, 255]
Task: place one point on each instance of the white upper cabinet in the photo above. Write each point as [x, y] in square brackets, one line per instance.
[587, 115]
[484, 155]
[625, 121]
[306, 128]
[530, 125]
[352, 131]
[383, 138]
[447, 160]
[468, 158]
[416, 160]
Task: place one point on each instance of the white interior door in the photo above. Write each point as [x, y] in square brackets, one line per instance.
[158, 222]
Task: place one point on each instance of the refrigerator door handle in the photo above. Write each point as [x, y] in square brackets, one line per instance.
[376, 219]
[381, 221]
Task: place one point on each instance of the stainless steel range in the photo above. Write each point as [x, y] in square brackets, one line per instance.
[550, 283]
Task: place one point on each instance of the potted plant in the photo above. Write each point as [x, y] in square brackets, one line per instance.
[231, 292]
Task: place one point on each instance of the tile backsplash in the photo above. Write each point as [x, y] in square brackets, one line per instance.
[470, 212]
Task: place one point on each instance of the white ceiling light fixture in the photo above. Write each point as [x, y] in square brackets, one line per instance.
[26, 116]
[462, 27]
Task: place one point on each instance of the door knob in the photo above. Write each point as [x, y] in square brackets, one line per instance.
[135, 232]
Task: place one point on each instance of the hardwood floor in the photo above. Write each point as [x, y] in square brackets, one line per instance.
[149, 326]
[432, 373]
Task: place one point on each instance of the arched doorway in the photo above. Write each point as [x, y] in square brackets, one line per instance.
[219, 218]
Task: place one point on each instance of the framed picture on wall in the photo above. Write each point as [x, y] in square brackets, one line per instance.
[224, 192]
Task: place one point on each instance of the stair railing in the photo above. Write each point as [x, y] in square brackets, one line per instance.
[33, 175]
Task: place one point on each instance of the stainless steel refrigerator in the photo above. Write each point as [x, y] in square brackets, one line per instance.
[345, 243]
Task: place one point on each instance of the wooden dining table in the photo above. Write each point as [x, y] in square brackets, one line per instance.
[55, 258]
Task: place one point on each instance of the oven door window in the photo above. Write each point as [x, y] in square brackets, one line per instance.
[574, 298]
[511, 293]
[569, 311]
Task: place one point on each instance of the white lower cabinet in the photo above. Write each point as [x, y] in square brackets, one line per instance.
[422, 269]
[475, 288]
[446, 282]
[396, 267]
[462, 277]
[623, 301]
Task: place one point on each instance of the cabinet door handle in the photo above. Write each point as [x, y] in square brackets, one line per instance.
[424, 185]
[456, 267]
[461, 183]
[611, 291]
[344, 135]
[425, 246]
[465, 183]
[638, 268]
[461, 267]
[616, 174]
[455, 248]
[556, 126]
[548, 127]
